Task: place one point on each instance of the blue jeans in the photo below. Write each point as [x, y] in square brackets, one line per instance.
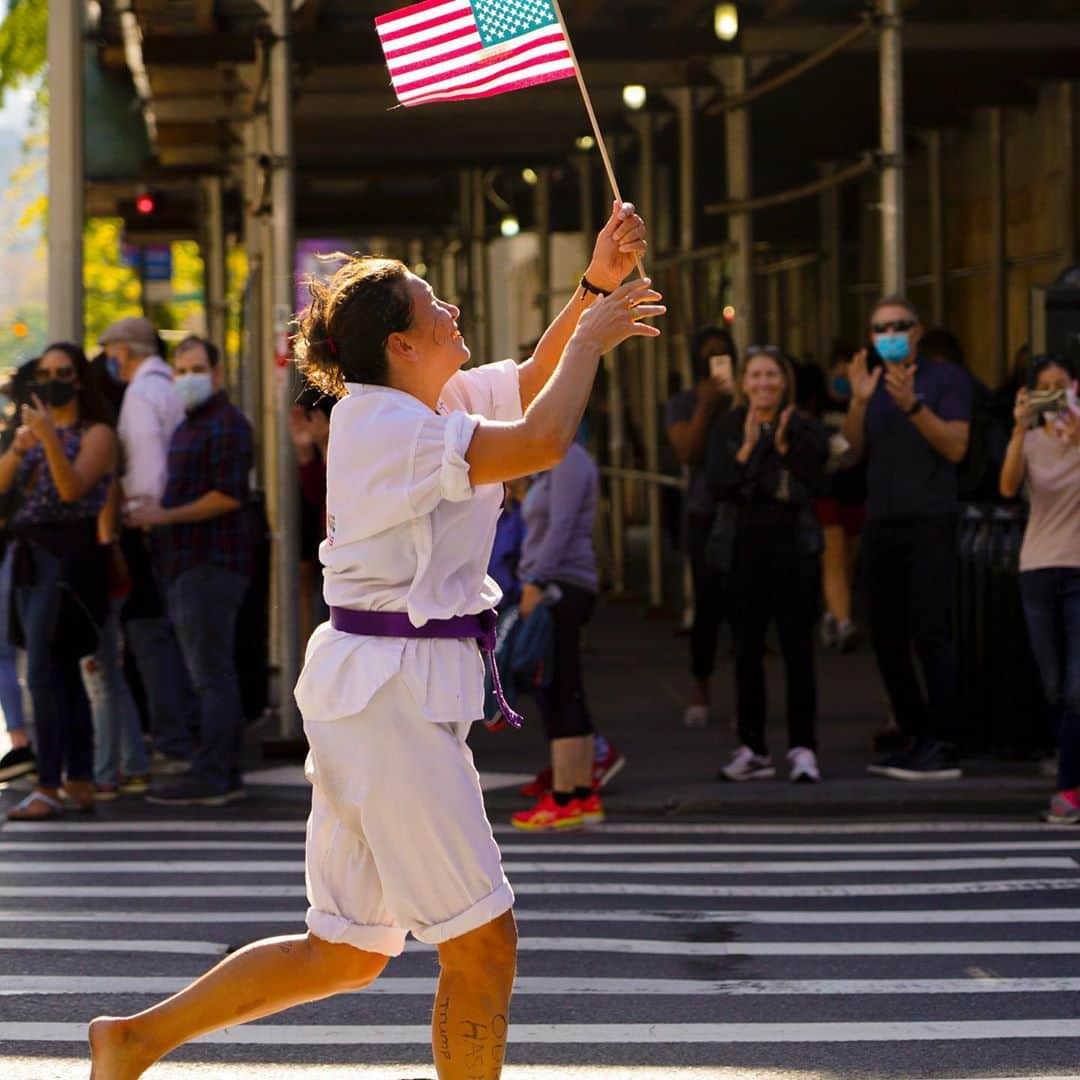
[164, 675]
[203, 605]
[65, 733]
[1052, 609]
[117, 732]
[11, 698]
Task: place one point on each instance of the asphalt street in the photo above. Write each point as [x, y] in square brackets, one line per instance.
[649, 949]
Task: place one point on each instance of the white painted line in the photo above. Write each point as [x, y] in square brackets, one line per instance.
[145, 867]
[293, 776]
[50, 847]
[598, 1034]
[31, 944]
[164, 825]
[531, 986]
[986, 917]
[582, 888]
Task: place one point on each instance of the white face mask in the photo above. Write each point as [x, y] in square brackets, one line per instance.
[195, 389]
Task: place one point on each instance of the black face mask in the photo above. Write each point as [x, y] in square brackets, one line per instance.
[56, 394]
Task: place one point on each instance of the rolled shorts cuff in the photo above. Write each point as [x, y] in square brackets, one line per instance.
[480, 914]
[384, 940]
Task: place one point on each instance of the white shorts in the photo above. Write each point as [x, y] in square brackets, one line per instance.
[398, 839]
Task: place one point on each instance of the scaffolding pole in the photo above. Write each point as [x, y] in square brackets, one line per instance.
[66, 169]
[542, 218]
[283, 244]
[893, 251]
[214, 259]
[740, 226]
[938, 252]
[252, 349]
[999, 256]
[1070, 218]
[830, 319]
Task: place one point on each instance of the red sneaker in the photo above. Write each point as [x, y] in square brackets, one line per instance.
[538, 787]
[548, 814]
[592, 809]
[606, 767]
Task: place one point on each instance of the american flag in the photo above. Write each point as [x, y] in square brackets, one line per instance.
[452, 50]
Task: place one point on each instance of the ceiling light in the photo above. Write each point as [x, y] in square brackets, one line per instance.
[634, 96]
[530, 176]
[726, 22]
[585, 142]
[509, 226]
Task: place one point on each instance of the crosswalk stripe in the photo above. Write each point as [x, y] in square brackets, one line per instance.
[585, 848]
[296, 866]
[592, 1034]
[988, 916]
[581, 888]
[613, 945]
[525, 985]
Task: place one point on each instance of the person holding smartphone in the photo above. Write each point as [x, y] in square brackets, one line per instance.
[911, 422]
[688, 418]
[1044, 451]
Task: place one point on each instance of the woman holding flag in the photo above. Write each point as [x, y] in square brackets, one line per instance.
[398, 839]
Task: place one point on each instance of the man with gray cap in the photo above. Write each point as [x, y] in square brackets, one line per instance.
[152, 410]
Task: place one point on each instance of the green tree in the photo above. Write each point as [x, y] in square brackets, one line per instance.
[23, 48]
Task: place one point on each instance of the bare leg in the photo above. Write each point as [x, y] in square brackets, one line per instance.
[571, 762]
[472, 1003]
[837, 582]
[256, 981]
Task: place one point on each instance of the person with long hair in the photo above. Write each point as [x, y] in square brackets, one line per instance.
[398, 840]
[766, 463]
[688, 418]
[62, 460]
[1044, 451]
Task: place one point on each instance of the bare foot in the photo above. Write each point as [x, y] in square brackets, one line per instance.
[115, 1051]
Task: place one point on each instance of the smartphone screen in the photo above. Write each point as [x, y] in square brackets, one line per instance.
[720, 368]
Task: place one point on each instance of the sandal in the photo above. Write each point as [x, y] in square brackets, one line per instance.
[79, 795]
[25, 810]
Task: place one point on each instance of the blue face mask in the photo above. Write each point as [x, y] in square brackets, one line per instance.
[112, 365]
[195, 389]
[841, 386]
[893, 348]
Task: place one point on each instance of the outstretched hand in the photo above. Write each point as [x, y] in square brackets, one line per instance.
[614, 318]
[622, 241]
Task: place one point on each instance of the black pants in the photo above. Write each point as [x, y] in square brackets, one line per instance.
[770, 579]
[909, 566]
[562, 704]
[709, 606]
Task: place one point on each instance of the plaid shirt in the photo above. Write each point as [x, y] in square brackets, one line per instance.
[211, 450]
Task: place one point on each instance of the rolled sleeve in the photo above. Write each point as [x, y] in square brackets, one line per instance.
[439, 468]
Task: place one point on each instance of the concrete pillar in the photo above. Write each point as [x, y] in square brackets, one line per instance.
[939, 267]
[215, 282]
[542, 219]
[830, 319]
[283, 242]
[999, 265]
[737, 136]
[66, 171]
[893, 236]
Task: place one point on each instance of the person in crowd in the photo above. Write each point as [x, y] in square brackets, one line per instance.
[841, 510]
[19, 760]
[765, 463]
[398, 837]
[152, 410]
[509, 540]
[61, 460]
[309, 429]
[560, 513]
[1044, 451]
[206, 559]
[910, 419]
[688, 417]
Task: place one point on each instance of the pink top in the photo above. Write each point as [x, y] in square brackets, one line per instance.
[1052, 538]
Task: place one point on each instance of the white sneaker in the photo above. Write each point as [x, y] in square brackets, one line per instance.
[746, 765]
[804, 766]
[696, 716]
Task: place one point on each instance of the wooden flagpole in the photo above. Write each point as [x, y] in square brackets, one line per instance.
[597, 133]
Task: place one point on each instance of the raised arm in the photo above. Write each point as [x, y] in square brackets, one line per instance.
[537, 442]
[620, 241]
[1012, 468]
[863, 385]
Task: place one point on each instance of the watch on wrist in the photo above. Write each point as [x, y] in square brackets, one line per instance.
[915, 409]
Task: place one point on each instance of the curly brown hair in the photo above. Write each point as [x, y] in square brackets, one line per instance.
[343, 333]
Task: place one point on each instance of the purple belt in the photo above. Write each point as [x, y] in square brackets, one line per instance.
[461, 627]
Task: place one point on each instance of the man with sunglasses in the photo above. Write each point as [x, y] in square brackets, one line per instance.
[911, 421]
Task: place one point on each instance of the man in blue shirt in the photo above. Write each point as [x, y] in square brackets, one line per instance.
[911, 421]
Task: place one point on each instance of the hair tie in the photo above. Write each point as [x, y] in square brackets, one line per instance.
[331, 345]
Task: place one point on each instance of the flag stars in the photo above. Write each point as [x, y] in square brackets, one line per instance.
[503, 20]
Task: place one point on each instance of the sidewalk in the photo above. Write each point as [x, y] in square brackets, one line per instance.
[636, 679]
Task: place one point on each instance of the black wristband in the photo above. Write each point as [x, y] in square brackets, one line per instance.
[915, 409]
[589, 287]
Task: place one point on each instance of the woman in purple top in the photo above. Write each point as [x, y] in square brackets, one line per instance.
[61, 459]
